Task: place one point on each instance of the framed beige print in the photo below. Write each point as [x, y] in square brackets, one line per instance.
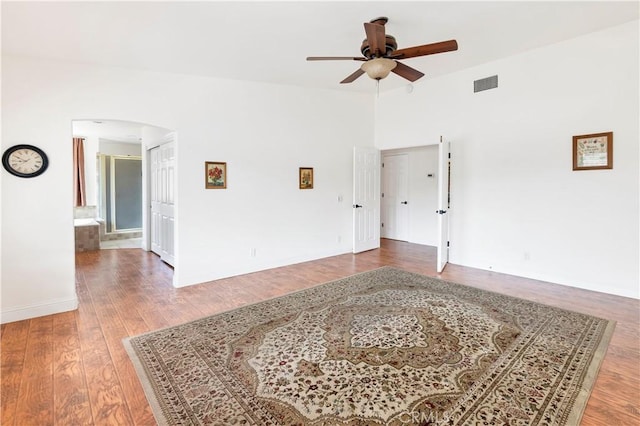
[215, 175]
[593, 152]
[306, 177]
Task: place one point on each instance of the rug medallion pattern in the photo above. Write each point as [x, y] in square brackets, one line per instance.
[387, 347]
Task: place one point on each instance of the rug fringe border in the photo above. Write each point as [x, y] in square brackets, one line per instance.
[591, 375]
[147, 386]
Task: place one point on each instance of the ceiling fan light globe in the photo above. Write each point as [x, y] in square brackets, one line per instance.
[378, 68]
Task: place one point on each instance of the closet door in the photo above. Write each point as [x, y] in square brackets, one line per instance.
[162, 177]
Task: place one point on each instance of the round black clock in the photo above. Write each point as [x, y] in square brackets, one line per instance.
[25, 161]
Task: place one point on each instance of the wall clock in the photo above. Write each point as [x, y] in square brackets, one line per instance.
[25, 161]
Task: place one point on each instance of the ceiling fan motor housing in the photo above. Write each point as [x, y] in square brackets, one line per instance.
[390, 45]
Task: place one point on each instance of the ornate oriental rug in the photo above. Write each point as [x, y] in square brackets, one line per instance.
[385, 347]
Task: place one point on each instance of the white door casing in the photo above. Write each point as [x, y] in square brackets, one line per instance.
[444, 159]
[395, 195]
[366, 199]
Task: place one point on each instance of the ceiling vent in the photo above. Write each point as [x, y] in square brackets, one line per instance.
[485, 84]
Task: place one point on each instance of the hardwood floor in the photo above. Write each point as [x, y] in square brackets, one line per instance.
[71, 368]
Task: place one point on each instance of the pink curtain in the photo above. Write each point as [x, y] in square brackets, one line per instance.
[78, 173]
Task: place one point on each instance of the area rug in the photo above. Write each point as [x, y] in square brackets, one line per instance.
[385, 347]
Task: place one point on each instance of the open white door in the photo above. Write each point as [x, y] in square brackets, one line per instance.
[366, 199]
[443, 204]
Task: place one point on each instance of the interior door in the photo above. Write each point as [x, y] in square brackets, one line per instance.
[163, 201]
[395, 195]
[155, 218]
[444, 167]
[366, 199]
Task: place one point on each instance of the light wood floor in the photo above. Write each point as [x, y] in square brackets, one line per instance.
[71, 368]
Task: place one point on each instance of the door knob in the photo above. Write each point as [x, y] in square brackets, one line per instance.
[404, 202]
[357, 206]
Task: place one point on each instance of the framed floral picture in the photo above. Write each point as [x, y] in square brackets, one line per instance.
[306, 177]
[593, 152]
[215, 175]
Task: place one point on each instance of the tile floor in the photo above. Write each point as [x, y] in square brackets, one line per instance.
[116, 244]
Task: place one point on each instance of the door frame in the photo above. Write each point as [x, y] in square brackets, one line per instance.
[399, 150]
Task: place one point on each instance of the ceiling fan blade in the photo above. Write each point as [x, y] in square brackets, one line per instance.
[335, 58]
[407, 72]
[425, 49]
[353, 76]
[375, 38]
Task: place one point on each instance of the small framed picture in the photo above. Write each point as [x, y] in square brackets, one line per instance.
[306, 177]
[215, 175]
[593, 152]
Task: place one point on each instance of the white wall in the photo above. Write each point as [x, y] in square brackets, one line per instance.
[264, 133]
[108, 147]
[423, 193]
[517, 206]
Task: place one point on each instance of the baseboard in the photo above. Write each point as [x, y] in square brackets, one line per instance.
[33, 311]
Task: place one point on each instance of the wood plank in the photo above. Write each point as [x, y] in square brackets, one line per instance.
[71, 396]
[14, 347]
[108, 403]
[35, 399]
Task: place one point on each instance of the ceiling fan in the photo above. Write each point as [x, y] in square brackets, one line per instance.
[380, 54]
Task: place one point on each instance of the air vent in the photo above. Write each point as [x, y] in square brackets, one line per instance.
[485, 84]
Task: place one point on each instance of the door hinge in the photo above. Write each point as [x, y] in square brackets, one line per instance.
[383, 195]
[447, 244]
[383, 165]
[449, 155]
[382, 225]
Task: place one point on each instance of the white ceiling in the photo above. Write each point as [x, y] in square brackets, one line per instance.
[269, 41]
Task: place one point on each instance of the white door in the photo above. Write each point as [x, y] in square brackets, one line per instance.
[366, 199]
[444, 161]
[162, 175]
[154, 191]
[395, 197]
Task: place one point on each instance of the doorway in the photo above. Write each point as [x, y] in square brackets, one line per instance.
[394, 214]
[115, 170]
[409, 194]
[120, 191]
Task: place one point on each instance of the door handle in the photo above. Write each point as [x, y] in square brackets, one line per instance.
[404, 202]
[357, 206]
[441, 211]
